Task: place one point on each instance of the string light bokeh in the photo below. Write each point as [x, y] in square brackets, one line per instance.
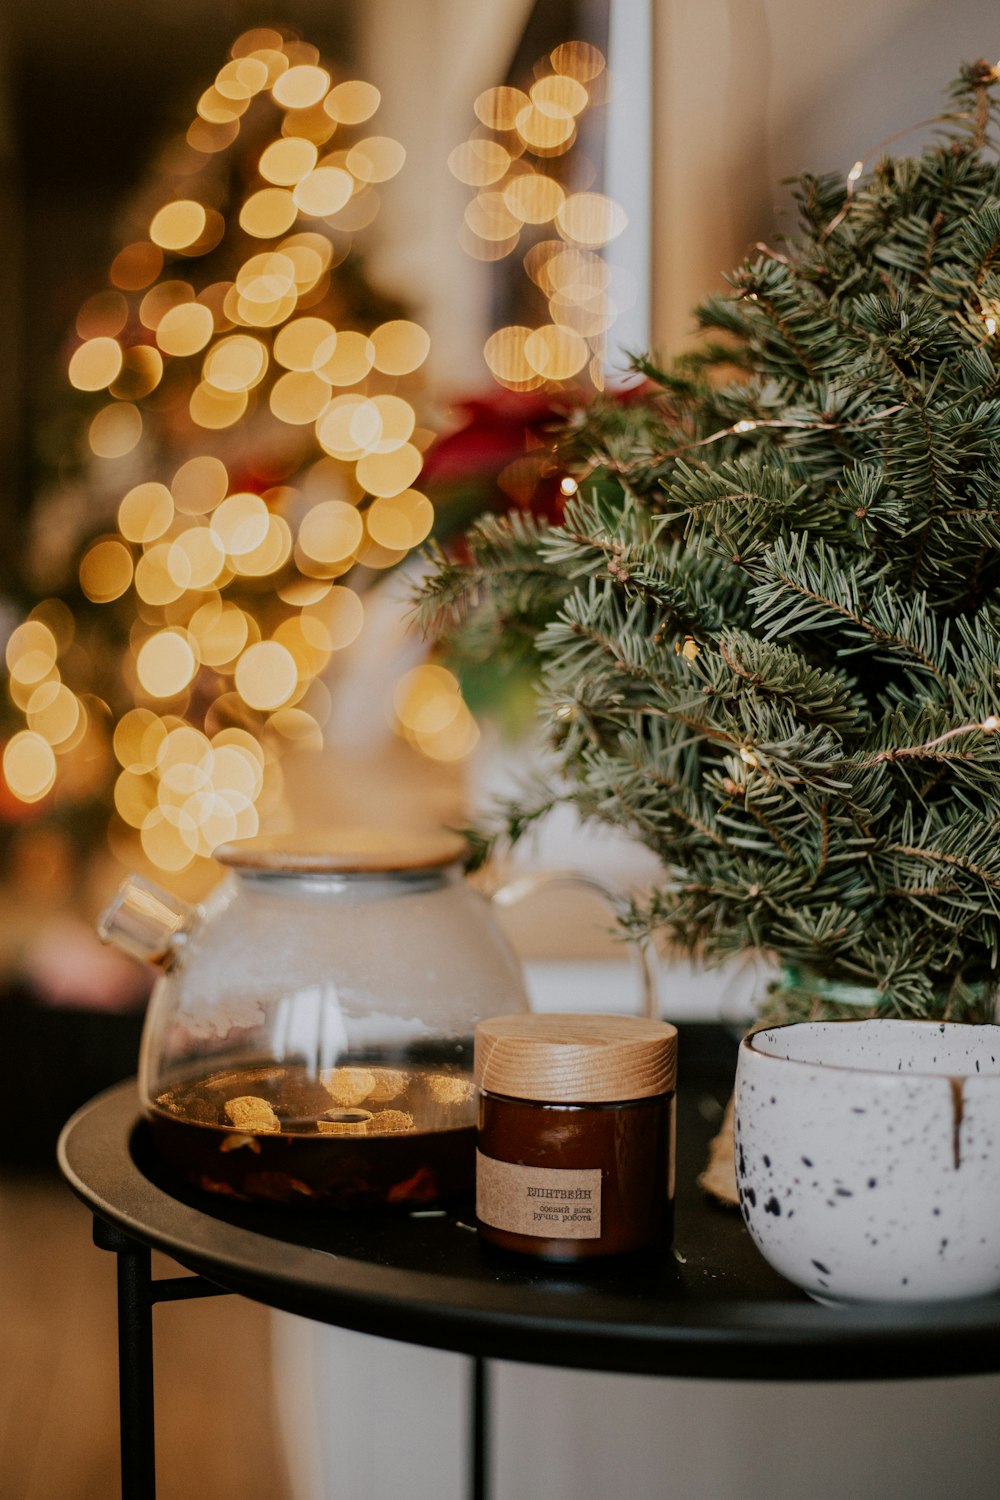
[249, 449]
[247, 443]
[534, 195]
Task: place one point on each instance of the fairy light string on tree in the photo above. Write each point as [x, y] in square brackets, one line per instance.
[249, 448]
[768, 630]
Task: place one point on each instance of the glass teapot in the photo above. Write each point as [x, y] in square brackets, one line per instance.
[309, 1037]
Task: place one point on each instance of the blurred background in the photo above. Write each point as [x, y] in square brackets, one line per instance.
[205, 567]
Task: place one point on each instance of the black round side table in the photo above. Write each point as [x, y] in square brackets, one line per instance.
[713, 1308]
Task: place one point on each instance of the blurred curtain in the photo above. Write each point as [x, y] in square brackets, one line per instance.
[431, 60]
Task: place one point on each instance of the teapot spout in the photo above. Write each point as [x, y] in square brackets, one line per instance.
[146, 921]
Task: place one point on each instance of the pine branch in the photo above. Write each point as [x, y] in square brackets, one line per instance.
[803, 588]
[505, 560]
[775, 656]
[780, 676]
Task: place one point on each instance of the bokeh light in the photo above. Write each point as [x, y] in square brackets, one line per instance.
[286, 161]
[399, 347]
[299, 397]
[323, 191]
[505, 356]
[199, 484]
[534, 198]
[29, 766]
[221, 630]
[210, 138]
[161, 575]
[300, 87]
[252, 440]
[240, 523]
[215, 409]
[376, 159]
[178, 225]
[523, 184]
[331, 532]
[479, 162]
[579, 60]
[166, 663]
[400, 522]
[185, 329]
[195, 560]
[145, 512]
[489, 216]
[353, 102]
[136, 266]
[555, 353]
[31, 652]
[54, 712]
[498, 108]
[236, 363]
[350, 360]
[266, 675]
[115, 430]
[268, 213]
[389, 473]
[105, 570]
[141, 372]
[305, 344]
[431, 714]
[590, 219]
[559, 95]
[218, 110]
[542, 131]
[95, 364]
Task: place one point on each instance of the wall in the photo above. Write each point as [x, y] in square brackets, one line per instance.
[749, 92]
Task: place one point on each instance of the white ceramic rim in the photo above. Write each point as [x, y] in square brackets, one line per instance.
[800, 1062]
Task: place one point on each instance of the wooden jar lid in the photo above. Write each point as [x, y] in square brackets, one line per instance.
[343, 851]
[575, 1059]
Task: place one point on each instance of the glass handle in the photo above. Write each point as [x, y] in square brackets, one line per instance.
[146, 921]
[522, 887]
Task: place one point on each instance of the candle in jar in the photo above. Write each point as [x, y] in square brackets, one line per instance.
[575, 1134]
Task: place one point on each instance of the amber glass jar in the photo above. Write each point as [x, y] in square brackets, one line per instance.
[575, 1134]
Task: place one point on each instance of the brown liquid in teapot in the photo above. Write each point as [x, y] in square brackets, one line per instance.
[354, 1136]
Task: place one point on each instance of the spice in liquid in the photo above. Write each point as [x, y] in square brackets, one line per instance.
[351, 1137]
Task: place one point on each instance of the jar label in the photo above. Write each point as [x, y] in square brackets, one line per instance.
[557, 1203]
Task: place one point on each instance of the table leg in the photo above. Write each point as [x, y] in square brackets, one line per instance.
[135, 1361]
[479, 1476]
[137, 1295]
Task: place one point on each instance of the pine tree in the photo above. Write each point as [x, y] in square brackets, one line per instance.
[767, 633]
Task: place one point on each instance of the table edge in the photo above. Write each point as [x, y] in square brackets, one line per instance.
[733, 1340]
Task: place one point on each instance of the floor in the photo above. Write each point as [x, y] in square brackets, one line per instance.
[633, 1437]
[59, 1379]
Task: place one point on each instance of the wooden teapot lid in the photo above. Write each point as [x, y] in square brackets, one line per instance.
[575, 1059]
[344, 851]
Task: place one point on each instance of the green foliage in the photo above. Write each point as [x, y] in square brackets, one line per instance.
[767, 631]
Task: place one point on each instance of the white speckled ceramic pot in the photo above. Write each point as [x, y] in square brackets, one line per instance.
[868, 1157]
